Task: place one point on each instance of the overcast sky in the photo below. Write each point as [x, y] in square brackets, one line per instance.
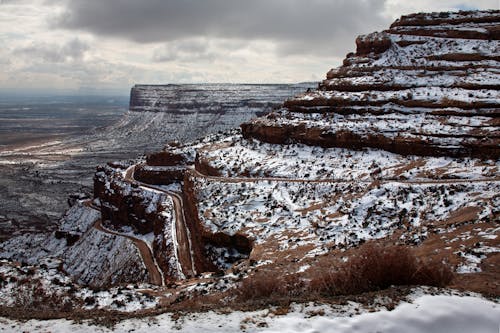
[113, 44]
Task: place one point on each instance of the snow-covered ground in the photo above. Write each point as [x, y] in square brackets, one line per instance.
[334, 213]
[253, 158]
[427, 313]
[46, 287]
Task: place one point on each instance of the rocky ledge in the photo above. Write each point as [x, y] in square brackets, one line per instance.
[427, 86]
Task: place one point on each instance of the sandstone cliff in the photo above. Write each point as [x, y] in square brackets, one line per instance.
[429, 85]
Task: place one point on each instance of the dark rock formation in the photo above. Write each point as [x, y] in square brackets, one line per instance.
[159, 175]
[126, 204]
[165, 158]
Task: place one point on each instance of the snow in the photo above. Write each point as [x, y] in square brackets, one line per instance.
[303, 268]
[45, 285]
[416, 78]
[427, 313]
[474, 256]
[323, 215]
[101, 258]
[252, 158]
[435, 129]
[425, 94]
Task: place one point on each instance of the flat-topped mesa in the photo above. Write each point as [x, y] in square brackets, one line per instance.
[429, 85]
[241, 101]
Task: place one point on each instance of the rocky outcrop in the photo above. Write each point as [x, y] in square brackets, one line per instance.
[127, 206]
[163, 168]
[159, 175]
[125, 203]
[166, 158]
[102, 260]
[428, 86]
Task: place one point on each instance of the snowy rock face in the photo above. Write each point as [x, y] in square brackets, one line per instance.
[290, 185]
[100, 259]
[429, 85]
[188, 112]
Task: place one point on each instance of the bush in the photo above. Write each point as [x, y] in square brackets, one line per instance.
[375, 268]
[270, 288]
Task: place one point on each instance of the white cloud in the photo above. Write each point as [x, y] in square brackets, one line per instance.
[71, 51]
[396, 8]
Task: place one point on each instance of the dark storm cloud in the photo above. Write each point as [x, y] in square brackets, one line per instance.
[197, 49]
[294, 25]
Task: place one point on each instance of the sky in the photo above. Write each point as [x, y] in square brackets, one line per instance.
[102, 46]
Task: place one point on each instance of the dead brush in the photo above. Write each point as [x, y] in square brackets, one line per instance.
[376, 268]
[33, 295]
[373, 268]
[267, 287]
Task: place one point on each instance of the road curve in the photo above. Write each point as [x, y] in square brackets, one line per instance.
[156, 277]
[155, 274]
[181, 235]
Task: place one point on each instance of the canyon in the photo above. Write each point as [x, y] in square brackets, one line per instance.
[399, 146]
[37, 178]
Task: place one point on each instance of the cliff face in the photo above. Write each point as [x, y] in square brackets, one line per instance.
[327, 180]
[400, 145]
[188, 112]
[229, 99]
[428, 86]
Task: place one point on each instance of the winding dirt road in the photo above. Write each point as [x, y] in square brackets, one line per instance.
[155, 274]
[181, 234]
[340, 181]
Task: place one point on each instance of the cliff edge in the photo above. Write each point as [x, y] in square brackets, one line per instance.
[429, 85]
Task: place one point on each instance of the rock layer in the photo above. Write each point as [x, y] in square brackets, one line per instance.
[427, 86]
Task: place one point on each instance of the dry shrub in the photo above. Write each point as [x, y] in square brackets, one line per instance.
[32, 295]
[267, 287]
[375, 268]
[433, 273]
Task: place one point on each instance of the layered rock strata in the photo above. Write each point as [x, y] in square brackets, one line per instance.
[429, 85]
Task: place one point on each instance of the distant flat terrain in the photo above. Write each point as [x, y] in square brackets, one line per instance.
[50, 146]
[34, 120]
